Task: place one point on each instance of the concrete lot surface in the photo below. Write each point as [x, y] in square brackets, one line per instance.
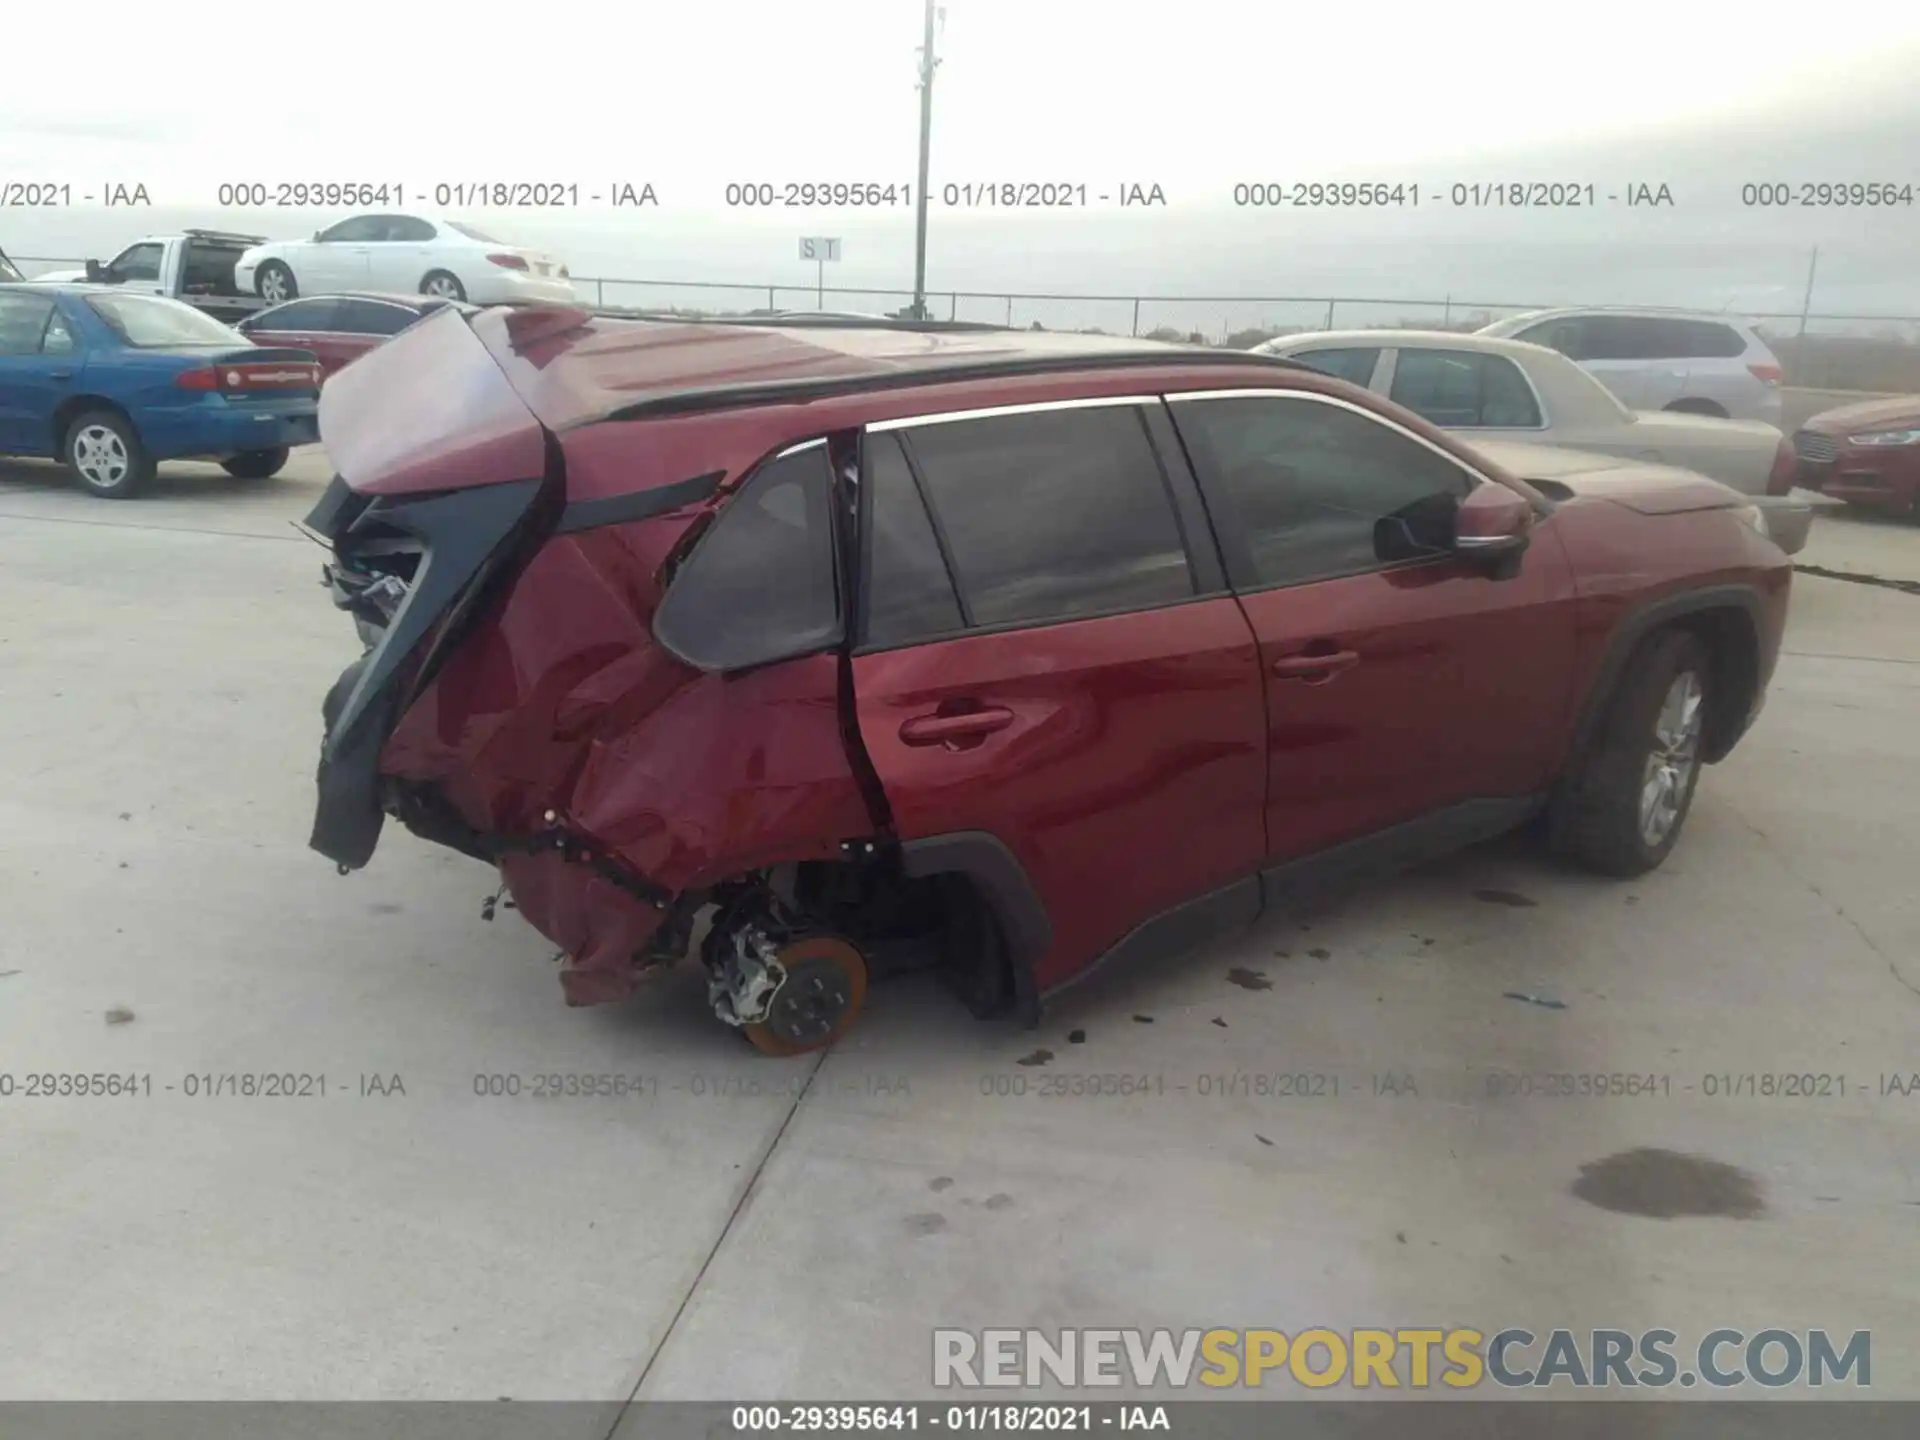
[744, 1227]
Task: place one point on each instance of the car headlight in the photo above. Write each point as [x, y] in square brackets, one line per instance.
[1754, 518]
[1886, 437]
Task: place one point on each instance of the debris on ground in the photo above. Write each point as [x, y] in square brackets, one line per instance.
[1506, 897]
[1249, 979]
[1545, 1002]
[1038, 1057]
[1076, 1037]
[119, 1015]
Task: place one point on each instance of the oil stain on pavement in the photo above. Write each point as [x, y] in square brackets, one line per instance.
[1249, 979]
[1666, 1185]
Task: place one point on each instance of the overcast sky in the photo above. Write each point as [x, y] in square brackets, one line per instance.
[1193, 98]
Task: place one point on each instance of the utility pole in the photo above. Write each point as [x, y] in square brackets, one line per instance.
[927, 64]
[1806, 302]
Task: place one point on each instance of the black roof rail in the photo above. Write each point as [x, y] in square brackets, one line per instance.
[803, 321]
[760, 392]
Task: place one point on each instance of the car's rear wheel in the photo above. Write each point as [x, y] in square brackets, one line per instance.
[275, 282]
[1622, 810]
[443, 284]
[105, 454]
[256, 464]
[820, 998]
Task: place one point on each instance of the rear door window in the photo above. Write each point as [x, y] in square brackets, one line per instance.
[1053, 514]
[1353, 365]
[761, 584]
[301, 316]
[373, 317]
[1709, 340]
[909, 591]
[1465, 389]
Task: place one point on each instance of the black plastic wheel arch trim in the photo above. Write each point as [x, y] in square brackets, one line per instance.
[1629, 631]
[1002, 879]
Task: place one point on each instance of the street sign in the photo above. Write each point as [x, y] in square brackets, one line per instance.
[820, 249]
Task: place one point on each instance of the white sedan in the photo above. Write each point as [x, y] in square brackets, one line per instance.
[1508, 390]
[408, 254]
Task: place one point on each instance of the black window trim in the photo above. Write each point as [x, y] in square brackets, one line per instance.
[1394, 352]
[863, 581]
[1201, 568]
[1239, 566]
[841, 607]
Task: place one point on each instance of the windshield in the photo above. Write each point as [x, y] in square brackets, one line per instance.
[473, 234]
[153, 322]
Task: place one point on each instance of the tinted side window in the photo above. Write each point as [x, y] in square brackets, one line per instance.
[360, 229]
[370, 317]
[23, 320]
[1621, 337]
[1464, 388]
[137, 262]
[760, 585]
[406, 228]
[909, 594]
[1307, 483]
[1706, 340]
[1053, 514]
[316, 314]
[1353, 365]
[1566, 336]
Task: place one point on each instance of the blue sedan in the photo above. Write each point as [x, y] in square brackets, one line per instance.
[112, 383]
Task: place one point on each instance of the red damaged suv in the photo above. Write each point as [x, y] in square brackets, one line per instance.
[824, 651]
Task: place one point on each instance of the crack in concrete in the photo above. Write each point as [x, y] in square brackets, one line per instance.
[1831, 903]
[1857, 577]
[733, 1219]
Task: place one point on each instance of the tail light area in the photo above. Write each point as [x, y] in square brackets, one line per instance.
[1770, 374]
[1786, 468]
[251, 378]
[508, 261]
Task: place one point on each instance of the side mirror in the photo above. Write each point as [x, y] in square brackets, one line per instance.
[1492, 524]
[95, 272]
[316, 236]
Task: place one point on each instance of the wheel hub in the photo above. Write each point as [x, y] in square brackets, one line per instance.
[810, 1004]
[1671, 761]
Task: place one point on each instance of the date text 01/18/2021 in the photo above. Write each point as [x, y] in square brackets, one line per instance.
[961, 1419]
[961, 195]
[441, 194]
[1460, 195]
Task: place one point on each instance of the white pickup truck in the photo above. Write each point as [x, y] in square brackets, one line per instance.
[195, 266]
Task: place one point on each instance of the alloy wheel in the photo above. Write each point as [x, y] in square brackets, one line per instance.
[273, 286]
[1673, 758]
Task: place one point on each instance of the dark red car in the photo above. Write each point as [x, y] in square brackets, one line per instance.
[1866, 454]
[1007, 653]
[340, 328]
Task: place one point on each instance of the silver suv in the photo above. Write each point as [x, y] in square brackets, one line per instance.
[1662, 359]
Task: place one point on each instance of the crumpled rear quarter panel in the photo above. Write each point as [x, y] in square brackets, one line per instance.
[562, 701]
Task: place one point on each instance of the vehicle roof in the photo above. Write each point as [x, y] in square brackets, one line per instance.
[391, 297]
[1411, 339]
[573, 366]
[1627, 312]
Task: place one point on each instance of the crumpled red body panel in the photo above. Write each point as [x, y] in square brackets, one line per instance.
[563, 702]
